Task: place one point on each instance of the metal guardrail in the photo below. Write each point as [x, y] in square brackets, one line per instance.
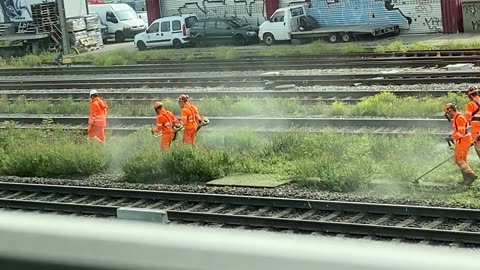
[33, 241]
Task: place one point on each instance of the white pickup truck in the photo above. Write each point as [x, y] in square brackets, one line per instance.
[292, 23]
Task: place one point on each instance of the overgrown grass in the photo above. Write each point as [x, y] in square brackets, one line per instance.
[328, 161]
[384, 105]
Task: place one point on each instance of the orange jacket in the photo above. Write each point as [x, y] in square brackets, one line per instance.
[469, 112]
[190, 116]
[459, 127]
[165, 121]
[98, 112]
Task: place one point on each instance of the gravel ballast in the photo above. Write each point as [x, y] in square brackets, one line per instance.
[287, 191]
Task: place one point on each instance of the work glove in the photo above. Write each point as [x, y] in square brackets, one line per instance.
[153, 132]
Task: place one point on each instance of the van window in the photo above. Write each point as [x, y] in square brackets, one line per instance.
[165, 26]
[190, 21]
[222, 25]
[176, 26]
[210, 25]
[278, 17]
[153, 28]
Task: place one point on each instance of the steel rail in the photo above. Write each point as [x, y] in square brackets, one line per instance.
[138, 96]
[276, 63]
[238, 204]
[249, 122]
[245, 81]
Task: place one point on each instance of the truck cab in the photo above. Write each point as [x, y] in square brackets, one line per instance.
[281, 24]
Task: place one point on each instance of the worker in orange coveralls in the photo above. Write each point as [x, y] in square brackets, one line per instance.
[97, 120]
[472, 114]
[190, 119]
[166, 122]
[462, 139]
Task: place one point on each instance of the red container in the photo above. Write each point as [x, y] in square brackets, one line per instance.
[270, 7]
[452, 18]
[153, 10]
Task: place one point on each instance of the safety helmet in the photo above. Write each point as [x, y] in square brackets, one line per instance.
[183, 98]
[93, 92]
[157, 105]
[472, 90]
[449, 106]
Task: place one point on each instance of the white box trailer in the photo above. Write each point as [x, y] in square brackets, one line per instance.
[290, 23]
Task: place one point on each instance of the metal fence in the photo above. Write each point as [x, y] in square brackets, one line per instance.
[33, 241]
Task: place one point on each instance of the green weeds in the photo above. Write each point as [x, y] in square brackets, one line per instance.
[385, 104]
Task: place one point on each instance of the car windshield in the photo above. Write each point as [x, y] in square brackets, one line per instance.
[189, 21]
[239, 22]
[127, 14]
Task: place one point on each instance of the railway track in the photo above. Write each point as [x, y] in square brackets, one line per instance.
[374, 221]
[144, 96]
[252, 64]
[268, 81]
[126, 125]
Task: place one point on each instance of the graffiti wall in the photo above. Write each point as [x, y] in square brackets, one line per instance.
[17, 10]
[252, 10]
[471, 16]
[414, 16]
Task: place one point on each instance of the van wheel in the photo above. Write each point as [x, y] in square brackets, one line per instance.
[239, 40]
[141, 46]
[177, 44]
[345, 37]
[333, 38]
[119, 37]
[269, 39]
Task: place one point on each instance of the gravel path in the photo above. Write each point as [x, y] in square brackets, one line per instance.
[287, 191]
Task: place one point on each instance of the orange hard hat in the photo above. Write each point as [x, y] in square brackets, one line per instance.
[472, 90]
[449, 106]
[157, 105]
[183, 98]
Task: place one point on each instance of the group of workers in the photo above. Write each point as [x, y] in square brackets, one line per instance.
[466, 132]
[167, 125]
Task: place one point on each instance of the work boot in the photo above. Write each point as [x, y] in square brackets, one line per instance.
[468, 178]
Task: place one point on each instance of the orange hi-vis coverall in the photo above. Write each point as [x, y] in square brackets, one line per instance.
[165, 120]
[463, 140]
[190, 119]
[472, 114]
[97, 120]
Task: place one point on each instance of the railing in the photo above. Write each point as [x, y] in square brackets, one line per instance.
[33, 241]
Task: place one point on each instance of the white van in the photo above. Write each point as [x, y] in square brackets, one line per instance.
[169, 31]
[121, 20]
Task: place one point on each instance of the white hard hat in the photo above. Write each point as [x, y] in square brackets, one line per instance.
[93, 92]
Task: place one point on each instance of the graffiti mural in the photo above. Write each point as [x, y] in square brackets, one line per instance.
[471, 17]
[17, 10]
[413, 16]
[251, 10]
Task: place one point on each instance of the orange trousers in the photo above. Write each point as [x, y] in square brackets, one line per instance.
[97, 131]
[166, 140]
[461, 152]
[189, 135]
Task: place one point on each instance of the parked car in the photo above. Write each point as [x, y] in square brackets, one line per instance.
[169, 31]
[224, 30]
[121, 20]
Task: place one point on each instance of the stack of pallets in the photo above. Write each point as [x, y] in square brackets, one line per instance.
[46, 20]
